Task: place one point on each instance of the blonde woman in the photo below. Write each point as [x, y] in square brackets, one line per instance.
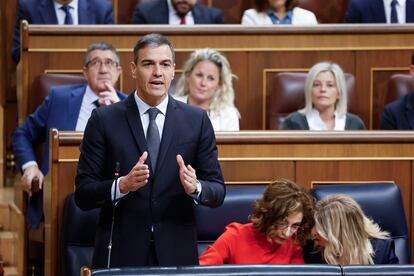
[279, 224]
[207, 83]
[325, 102]
[345, 236]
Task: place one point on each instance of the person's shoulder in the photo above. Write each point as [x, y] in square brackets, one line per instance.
[301, 11]
[294, 116]
[208, 9]
[100, 4]
[67, 88]
[400, 102]
[354, 122]
[302, 16]
[148, 5]
[237, 228]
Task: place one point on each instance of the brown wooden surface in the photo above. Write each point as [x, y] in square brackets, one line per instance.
[258, 158]
[370, 53]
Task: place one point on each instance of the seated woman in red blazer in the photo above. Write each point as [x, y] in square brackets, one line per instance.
[345, 236]
[280, 222]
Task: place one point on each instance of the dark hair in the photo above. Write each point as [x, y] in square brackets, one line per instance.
[280, 199]
[100, 46]
[263, 5]
[152, 40]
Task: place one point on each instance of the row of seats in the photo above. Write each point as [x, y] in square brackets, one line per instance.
[286, 92]
[79, 230]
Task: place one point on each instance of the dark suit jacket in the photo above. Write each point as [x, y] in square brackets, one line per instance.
[372, 11]
[156, 12]
[43, 12]
[399, 114]
[115, 134]
[60, 109]
[384, 252]
[297, 121]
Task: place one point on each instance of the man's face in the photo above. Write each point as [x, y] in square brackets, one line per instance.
[153, 73]
[183, 6]
[101, 70]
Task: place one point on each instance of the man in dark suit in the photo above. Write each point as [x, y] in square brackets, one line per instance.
[176, 12]
[399, 114]
[379, 11]
[54, 12]
[147, 139]
[66, 107]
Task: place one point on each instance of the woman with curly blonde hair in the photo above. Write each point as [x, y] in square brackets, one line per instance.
[206, 82]
[280, 222]
[346, 236]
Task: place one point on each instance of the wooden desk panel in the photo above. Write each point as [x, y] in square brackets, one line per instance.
[252, 51]
[259, 157]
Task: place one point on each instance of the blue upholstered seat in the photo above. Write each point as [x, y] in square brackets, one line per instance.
[380, 201]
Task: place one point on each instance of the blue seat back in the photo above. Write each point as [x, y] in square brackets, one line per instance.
[381, 202]
[236, 207]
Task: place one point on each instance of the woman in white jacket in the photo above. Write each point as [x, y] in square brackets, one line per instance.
[268, 12]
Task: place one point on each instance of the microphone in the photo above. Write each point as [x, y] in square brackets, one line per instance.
[116, 175]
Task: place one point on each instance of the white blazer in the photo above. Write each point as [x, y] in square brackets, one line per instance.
[299, 17]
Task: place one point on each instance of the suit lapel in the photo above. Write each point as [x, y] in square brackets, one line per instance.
[74, 105]
[378, 10]
[167, 133]
[134, 122]
[162, 16]
[197, 14]
[409, 110]
[47, 12]
[409, 11]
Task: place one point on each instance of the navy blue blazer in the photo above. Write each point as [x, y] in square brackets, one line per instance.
[115, 134]
[372, 11]
[60, 109]
[384, 252]
[399, 114]
[43, 12]
[156, 12]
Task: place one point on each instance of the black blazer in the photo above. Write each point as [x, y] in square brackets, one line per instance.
[115, 134]
[399, 114]
[372, 11]
[384, 252]
[156, 12]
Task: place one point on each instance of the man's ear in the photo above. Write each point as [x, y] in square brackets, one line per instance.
[133, 69]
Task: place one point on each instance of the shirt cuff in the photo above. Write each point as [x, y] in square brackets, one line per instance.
[29, 164]
[197, 193]
[118, 194]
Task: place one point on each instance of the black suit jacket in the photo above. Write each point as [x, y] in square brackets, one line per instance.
[156, 12]
[43, 12]
[372, 11]
[399, 114]
[115, 134]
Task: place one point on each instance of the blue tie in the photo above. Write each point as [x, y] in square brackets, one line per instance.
[394, 16]
[153, 137]
[68, 17]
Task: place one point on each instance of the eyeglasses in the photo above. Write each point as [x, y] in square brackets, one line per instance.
[293, 227]
[96, 63]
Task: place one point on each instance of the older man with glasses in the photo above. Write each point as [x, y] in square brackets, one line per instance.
[67, 107]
